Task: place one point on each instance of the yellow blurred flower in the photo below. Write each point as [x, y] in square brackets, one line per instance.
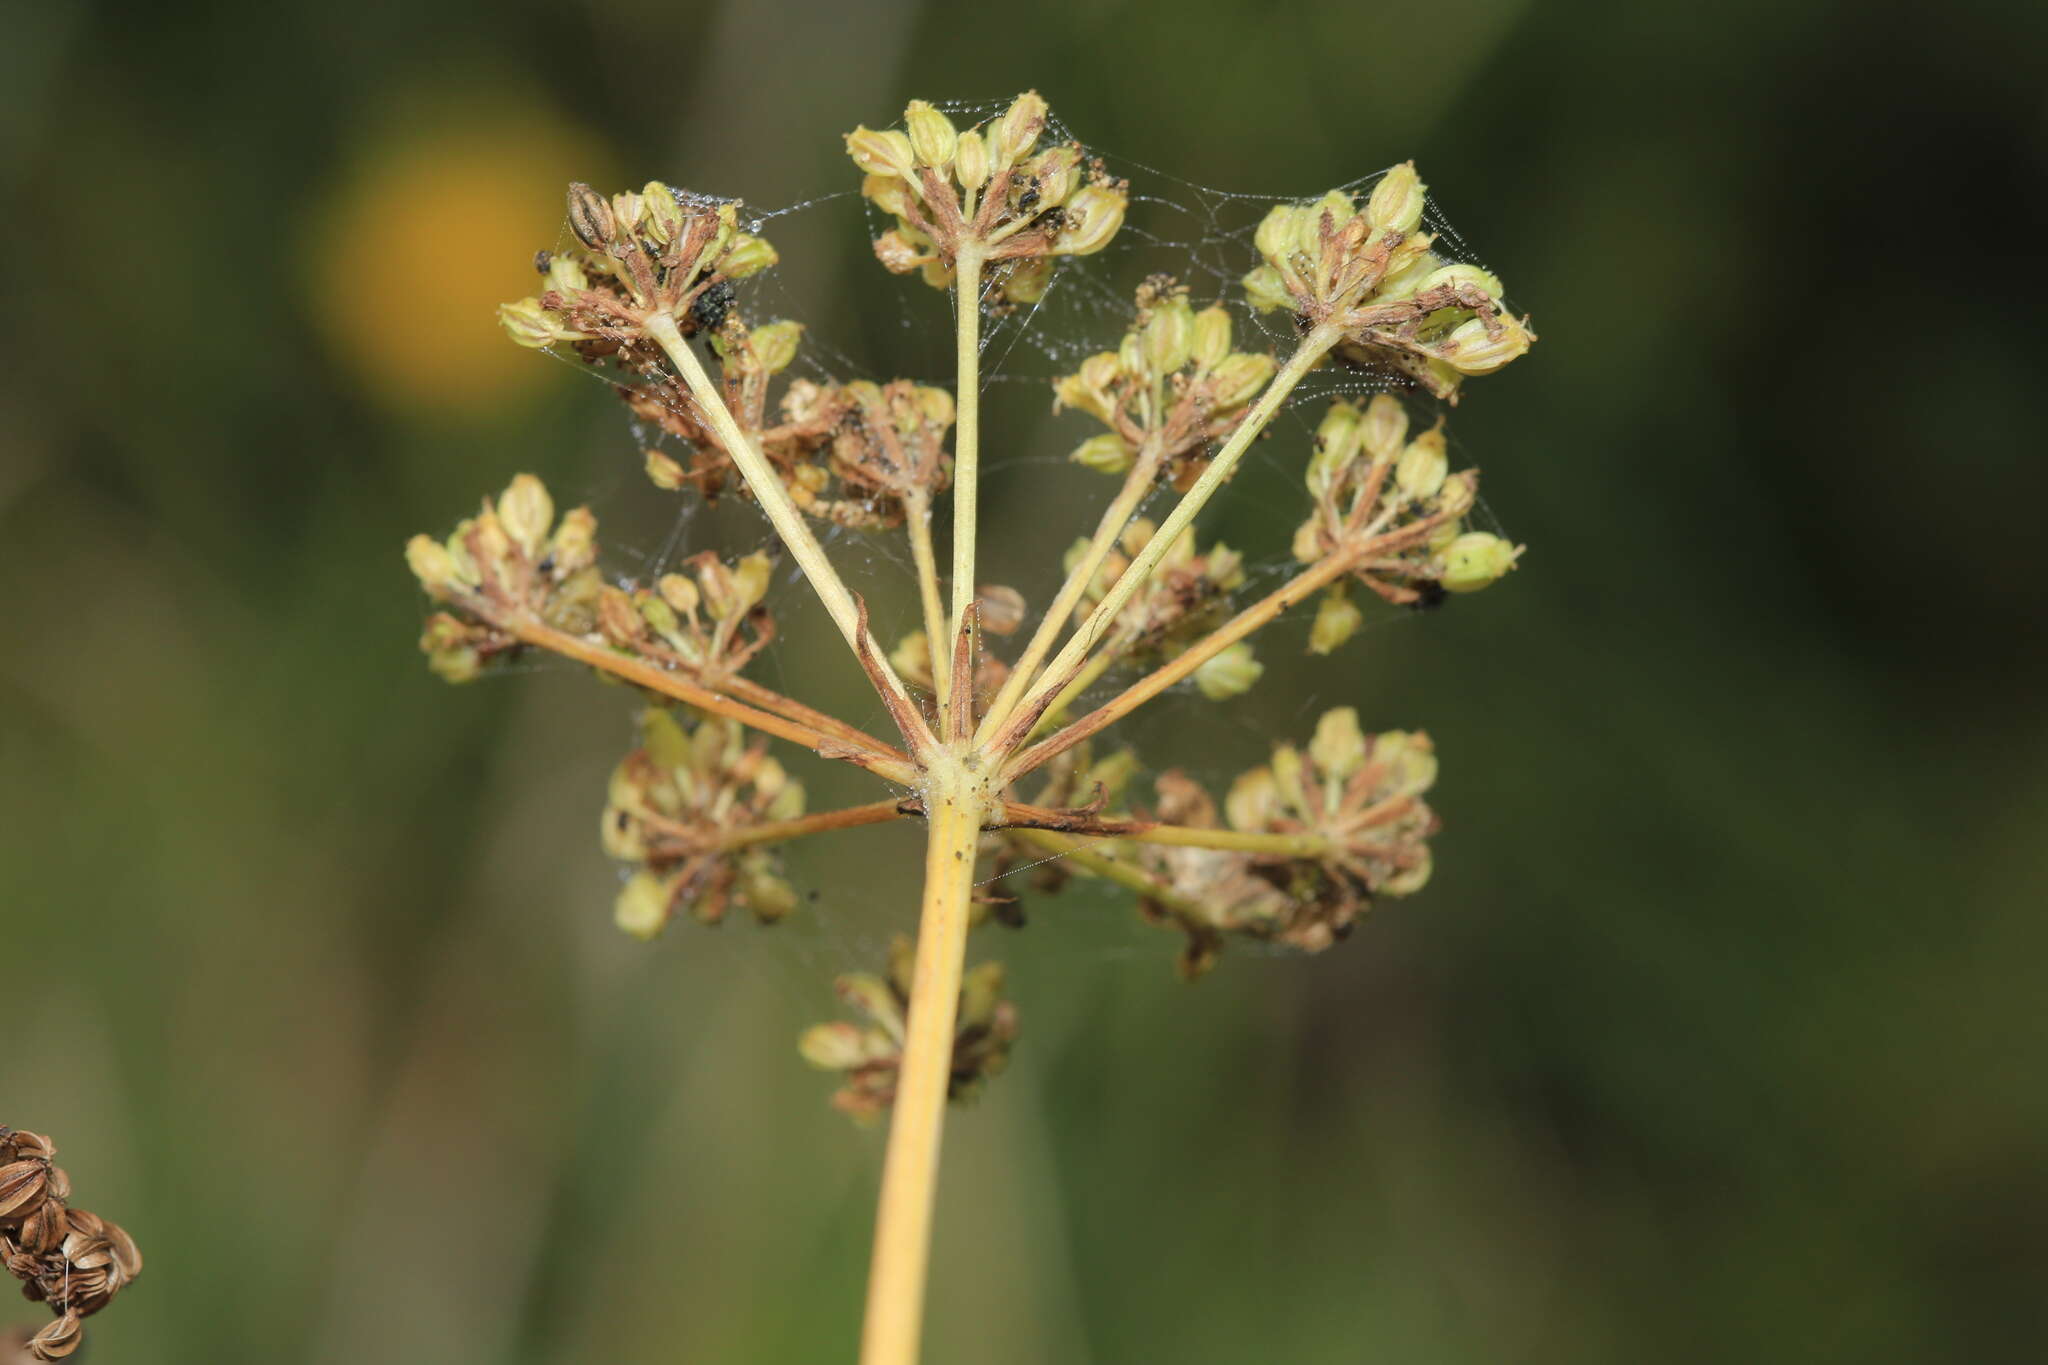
[416, 240]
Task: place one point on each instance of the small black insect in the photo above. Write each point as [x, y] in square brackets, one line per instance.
[713, 304]
[1429, 595]
[542, 260]
[1028, 200]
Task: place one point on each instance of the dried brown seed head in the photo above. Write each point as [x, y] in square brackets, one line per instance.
[590, 217]
[73, 1260]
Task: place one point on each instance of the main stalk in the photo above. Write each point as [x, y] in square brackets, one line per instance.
[956, 802]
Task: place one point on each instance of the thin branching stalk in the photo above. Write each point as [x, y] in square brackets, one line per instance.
[1020, 815]
[1182, 666]
[966, 450]
[691, 837]
[955, 809]
[1090, 674]
[768, 699]
[917, 521]
[847, 817]
[654, 679]
[1115, 517]
[768, 490]
[1073, 657]
[1252, 619]
[1098, 856]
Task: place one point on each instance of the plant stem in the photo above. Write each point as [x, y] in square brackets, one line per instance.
[691, 838]
[768, 699]
[1326, 570]
[954, 804]
[644, 674]
[1084, 680]
[917, 519]
[1235, 840]
[1114, 518]
[1017, 815]
[966, 446]
[849, 817]
[1088, 854]
[789, 523]
[1069, 660]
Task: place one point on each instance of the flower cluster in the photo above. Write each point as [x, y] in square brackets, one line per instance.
[512, 562]
[993, 191]
[790, 434]
[854, 453]
[660, 249]
[858, 454]
[513, 571]
[1360, 795]
[694, 811]
[1352, 824]
[1389, 509]
[872, 1054]
[1180, 603]
[707, 625]
[1208, 893]
[889, 454]
[1298, 848]
[1170, 389]
[70, 1259]
[1368, 270]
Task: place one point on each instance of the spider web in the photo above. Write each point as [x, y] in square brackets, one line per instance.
[862, 323]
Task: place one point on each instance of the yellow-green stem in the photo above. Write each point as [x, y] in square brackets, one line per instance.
[1313, 348]
[1235, 840]
[1089, 854]
[917, 517]
[1278, 844]
[1114, 518]
[1094, 669]
[966, 437]
[955, 804]
[1255, 617]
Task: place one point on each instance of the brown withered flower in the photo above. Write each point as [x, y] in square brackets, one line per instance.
[74, 1261]
[889, 453]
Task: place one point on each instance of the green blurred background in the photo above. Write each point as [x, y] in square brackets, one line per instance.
[1717, 1037]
